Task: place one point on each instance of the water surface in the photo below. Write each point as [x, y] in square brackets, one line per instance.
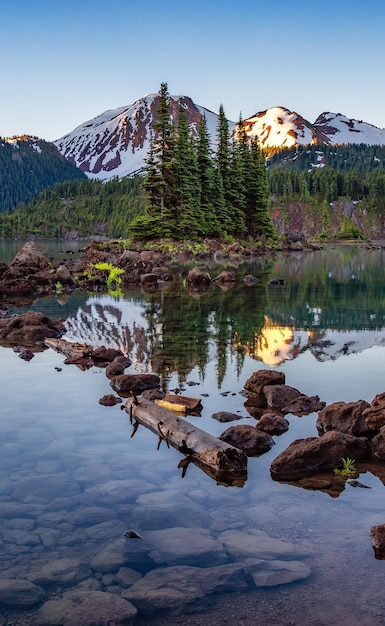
[73, 480]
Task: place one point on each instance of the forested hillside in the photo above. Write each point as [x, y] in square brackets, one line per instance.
[187, 192]
[27, 166]
[84, 207]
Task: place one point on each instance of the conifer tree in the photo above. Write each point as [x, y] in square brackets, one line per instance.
[206, 179]
[259, 222]
[187, 191]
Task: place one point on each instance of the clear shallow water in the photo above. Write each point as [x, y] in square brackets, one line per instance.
[73, 480]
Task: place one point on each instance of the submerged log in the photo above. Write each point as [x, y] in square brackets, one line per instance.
[222, 460]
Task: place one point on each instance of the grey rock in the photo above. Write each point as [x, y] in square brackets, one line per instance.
[273, 573]
[88, 608]
[20, 593]
[185, 546]
[62, 571]
[183, 589]
[242, 545]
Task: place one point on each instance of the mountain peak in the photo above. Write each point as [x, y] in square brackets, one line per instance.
[116, 142]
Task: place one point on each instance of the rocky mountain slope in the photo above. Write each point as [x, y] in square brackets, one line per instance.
[115, 143]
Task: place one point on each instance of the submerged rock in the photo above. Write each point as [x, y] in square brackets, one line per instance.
[20, 594]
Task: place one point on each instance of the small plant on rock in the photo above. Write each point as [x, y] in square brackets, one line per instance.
[347, 468]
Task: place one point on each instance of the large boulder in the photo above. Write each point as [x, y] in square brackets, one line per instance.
[346, 417]
[29, 328]
[306, 457]
[378, 445]
[31, 255]
[303, 405]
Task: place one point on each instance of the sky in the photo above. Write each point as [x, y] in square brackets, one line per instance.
[64, 62]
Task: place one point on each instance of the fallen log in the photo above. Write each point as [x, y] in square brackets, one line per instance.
[223, 461]
[69, 348]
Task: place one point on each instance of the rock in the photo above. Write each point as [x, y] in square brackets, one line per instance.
[21, 594]
[378, 445]
[248, 438]
[273, 573]
[255, 404]
[197, 279]
[257, 544]
[273, 424]
[31, 255]
[258, 380]
[109, 400]
[106, 354]
[345, 417]
[185, 546]
[305, 457]
[136, 383]
[88, 608]
[153, 394]
[304, 405]
[249, 279]
[114, 369]
[24, 354]
[374, 415]
[377, 534]
[224, 416]
[62, 572]
[29, 328]
[225, 277]
[182, 589]
[126, 577]
[278, 396]
[64, 276]
[149, 280]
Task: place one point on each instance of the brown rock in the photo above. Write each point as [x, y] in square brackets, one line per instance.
[114, 369]
[29, 328]
[375, 414]
[258, 380]
[279, 396]
[378, 445]
[248, 438]
[197, 278]
[306, 457]
[109, 400]
[303, 405]
[31, 255]
[377, 534]
[273, 424]
[105, 354]
[136, 383]
[225, 277]
[346, 417]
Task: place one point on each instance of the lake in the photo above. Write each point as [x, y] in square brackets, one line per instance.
[74, 480]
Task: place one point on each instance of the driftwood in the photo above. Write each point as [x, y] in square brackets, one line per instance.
[180, 404]
[70, 348]
[218, 459]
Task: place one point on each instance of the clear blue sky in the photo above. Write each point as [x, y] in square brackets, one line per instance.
[66, 61]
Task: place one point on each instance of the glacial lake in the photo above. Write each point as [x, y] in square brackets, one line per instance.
[74, 480]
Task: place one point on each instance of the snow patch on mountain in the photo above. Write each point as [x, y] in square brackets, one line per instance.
[341, 129]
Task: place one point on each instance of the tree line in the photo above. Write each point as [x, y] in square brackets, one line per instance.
[193, 193]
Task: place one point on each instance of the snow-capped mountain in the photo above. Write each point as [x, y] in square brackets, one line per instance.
[116, 142]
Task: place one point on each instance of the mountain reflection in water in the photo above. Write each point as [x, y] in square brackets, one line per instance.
[74, 481]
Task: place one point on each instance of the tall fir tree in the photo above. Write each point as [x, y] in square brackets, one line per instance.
[190, 219]
[259, 220]
[206, 178]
